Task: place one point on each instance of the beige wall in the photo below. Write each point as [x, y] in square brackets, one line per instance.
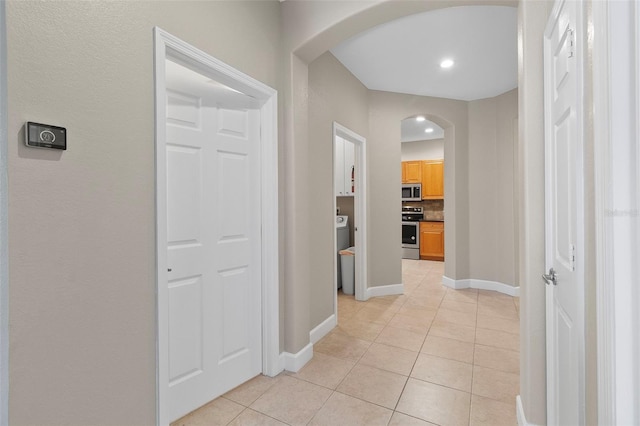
[491, 188]
[506, 208]
[311, 24]
[334, 95]
[422, 150]
[385, 114]
[82, 259]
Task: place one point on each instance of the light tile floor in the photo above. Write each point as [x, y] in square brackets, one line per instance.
[431, 356]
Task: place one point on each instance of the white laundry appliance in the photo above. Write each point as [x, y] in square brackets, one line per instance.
[342, 241]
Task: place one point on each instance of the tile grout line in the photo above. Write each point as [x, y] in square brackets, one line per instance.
[473, 368]
[393, 411]
[419, 352]
[240, 413]
[321, 407]
[259, 412]
[427, 334]
[417, 356]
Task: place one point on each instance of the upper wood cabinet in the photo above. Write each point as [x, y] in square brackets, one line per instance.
[411, 172]
[432, 174]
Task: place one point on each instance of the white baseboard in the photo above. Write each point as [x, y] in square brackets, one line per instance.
[451, 283]
[322, 329]
[482, 285]
[294, 362]
[522, 420]
[385, 290]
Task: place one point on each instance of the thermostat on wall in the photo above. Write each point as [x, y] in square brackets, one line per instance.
[45, 136]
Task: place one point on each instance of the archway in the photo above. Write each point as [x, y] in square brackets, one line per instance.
[306, 42]
[311, 30]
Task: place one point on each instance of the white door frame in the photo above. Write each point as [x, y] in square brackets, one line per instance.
[169, 46]
[616, 68]
[4, 214]
[360, 207]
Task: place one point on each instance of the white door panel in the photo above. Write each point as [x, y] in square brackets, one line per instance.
[185, 311]
[213, 247]
[564, 291]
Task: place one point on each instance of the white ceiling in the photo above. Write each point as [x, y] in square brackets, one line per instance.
[413, 130]
[404, 55]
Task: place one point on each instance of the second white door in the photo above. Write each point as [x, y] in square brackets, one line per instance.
[213, 242]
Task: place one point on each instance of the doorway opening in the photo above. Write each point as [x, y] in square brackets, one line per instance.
[350, 189]
[237, 116]
[422, 157]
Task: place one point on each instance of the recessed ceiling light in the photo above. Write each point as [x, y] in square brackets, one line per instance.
[447, 63]
[428, 130]
[420, 118]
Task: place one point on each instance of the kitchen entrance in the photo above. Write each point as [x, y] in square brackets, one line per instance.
[422, 156]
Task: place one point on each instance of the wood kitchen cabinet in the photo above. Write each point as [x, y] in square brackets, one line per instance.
[432, 174]
[432, 240]
[411, 172]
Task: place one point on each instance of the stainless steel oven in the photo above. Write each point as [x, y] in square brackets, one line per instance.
[410, 240]
[411, 217]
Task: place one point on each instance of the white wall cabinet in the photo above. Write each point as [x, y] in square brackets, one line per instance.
[344, 168]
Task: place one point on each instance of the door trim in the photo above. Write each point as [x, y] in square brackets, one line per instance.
[360, 207]
[616, 64]
[168, 46]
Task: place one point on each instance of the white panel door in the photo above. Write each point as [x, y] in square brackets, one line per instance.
[563, 166]
[213, 248]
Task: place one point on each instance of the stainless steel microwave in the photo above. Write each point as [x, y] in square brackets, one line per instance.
[411, 192]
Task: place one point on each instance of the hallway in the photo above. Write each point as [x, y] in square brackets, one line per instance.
[431, 356]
